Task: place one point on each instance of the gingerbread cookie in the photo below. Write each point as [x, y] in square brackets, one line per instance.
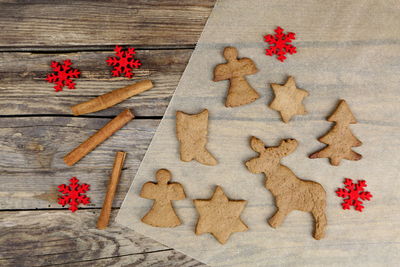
[339, 139]
[220, 216]
[162, 213]
[240, 92]
[191, 131]
[288, 99]
[290, 192]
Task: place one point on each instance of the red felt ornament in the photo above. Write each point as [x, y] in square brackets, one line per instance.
[353, 193]
[123, 62]
[73, 194]
[280, 44]
[63, 75]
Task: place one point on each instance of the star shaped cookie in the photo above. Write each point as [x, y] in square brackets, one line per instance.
[288, 99]
[220, 216]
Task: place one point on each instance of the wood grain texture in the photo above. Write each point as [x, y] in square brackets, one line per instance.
[31, 152]
[23, 89]
[49, 238]
[82, 23]
[31, 148]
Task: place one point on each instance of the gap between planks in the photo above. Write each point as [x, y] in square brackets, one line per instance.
[99, 48]
[80, 116]
[106, 258]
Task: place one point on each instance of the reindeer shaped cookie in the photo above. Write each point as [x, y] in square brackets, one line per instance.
[290, 192]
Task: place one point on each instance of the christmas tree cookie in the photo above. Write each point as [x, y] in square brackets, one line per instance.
[339, 139]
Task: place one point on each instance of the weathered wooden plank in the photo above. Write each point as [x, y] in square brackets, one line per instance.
[76, 23]
[32, 151]
[71, 239]
[23, 89]
[170, 258]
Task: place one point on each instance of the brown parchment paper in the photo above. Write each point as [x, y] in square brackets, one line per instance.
[346, 49]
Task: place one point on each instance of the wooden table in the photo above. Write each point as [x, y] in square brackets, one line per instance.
[37, 128]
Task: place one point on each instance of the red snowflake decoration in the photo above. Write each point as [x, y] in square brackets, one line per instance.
[280, 44]
[124, 62]
[74, 194]
[353, 193]
[63, 75]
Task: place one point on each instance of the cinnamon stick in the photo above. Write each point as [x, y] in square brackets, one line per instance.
[92, 142]
[104, 217]
[112, 98]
